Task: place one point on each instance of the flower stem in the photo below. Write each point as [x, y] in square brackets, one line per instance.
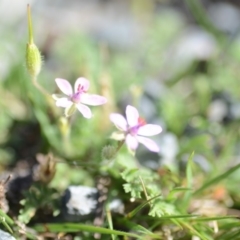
[30, 36]
[120, 144]
[39, 87]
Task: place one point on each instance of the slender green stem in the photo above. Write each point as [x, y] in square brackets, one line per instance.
[109, 218]
[30, 30]
[119, 146]
[39, 87]
[144, 190]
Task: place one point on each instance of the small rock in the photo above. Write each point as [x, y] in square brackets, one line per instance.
[194, 45]
[230, 23]
[6, 236]
[116, 206]
[79, 203]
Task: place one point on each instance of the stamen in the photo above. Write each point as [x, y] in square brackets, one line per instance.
[80, 88]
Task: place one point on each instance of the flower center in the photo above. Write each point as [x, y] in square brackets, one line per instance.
[134, 130]
[77, 95]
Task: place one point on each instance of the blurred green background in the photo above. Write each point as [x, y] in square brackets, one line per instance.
[176, 61]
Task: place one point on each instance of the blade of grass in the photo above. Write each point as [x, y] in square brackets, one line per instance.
[168, 217]
[109, 219]
[171, 195]
[230, 225]
[6, 226]
[217, 179]
[229, 235]
[193, 230]
[133, 226]
[6, 217]
[6, 221]
[189, 174]
[75, 227]
[202, 219]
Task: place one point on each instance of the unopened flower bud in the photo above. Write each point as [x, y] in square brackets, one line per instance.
[108, 152]
[33, 59]
[33, 56]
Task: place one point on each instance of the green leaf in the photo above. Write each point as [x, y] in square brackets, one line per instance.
[160, 208]
[129, 174]
[134, 184]
[134, 188]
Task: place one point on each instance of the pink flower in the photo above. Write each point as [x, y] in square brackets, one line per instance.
[77, 99]
[133, 128]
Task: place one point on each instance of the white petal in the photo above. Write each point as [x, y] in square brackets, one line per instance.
[119, 121]
[85, 111]
[63, 102]
[83, 82]
[92, 99]
[64, 86]
[131, 142]
[132, 116]
[57, 96]
[148, 143]
[149, 130]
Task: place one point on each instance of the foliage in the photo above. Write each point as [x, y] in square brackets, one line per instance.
[192, 193]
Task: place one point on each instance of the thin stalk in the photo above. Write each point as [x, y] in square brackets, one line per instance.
[30, 31]
[145, 191]
[39, 87]
[109, 219]
[119, 146]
